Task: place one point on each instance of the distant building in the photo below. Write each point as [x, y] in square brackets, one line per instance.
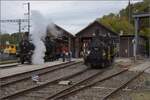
[126, 46]
[84, 37]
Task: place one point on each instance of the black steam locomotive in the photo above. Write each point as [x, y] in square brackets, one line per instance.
[101, 51]
[26, 51]
[27, 47]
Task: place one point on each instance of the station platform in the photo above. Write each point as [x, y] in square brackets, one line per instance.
[26, 68]
[8, 65]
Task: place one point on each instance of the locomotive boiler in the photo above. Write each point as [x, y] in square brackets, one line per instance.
[101, 51]
[27, 47]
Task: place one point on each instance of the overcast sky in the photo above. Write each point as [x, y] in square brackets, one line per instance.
[70, 15]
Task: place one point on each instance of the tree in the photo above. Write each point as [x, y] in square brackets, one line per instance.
[120, 22]
[117, 24]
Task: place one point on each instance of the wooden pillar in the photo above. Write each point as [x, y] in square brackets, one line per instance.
[77, 47]
[69, 43]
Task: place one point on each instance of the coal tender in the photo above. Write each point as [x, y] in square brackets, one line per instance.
[101, 51]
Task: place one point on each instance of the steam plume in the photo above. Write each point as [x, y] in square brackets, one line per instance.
[40, 26]
[38, 35]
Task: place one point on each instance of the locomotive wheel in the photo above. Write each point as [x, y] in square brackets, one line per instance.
[88, 64]
[95, 66]
[103, 65]
[22, 61]
[29, 62]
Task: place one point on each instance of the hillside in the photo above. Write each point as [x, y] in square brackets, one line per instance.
[124, 22]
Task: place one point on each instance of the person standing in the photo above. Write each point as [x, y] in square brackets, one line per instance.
[69, 55]
[63, 54]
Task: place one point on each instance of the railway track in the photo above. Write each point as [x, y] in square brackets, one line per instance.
[10, 65]
[88, 79]
[65, 91]
[103, 95]
[8, 62]
[31, 88]
[121, 86]
[21, 76]
[26, 77]
[71, 77]
[82, 86]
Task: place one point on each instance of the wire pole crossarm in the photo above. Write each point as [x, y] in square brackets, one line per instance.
[13, 20]
[18, 21]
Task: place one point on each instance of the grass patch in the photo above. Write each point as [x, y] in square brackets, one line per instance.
[141, 95]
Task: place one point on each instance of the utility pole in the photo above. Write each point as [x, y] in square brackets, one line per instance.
[28, 13]
[29, 17]
[129, 11]
[129, 17]
[19, 21]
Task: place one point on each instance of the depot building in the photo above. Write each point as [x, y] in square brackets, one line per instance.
[86, 34]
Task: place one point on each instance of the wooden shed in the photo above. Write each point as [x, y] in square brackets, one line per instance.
[126, 46]
[86, 34]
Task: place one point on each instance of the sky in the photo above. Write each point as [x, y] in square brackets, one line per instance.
[70, 15]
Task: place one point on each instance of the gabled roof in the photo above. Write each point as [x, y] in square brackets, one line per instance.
[64, 31]
[98, 23]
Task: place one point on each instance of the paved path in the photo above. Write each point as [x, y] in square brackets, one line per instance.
[27, 68]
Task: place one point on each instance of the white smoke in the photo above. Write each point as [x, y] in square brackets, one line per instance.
[38, 34]
[53, 31]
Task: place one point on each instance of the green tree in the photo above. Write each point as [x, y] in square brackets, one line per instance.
[13, 38]
[120, 22]
[117, 24]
